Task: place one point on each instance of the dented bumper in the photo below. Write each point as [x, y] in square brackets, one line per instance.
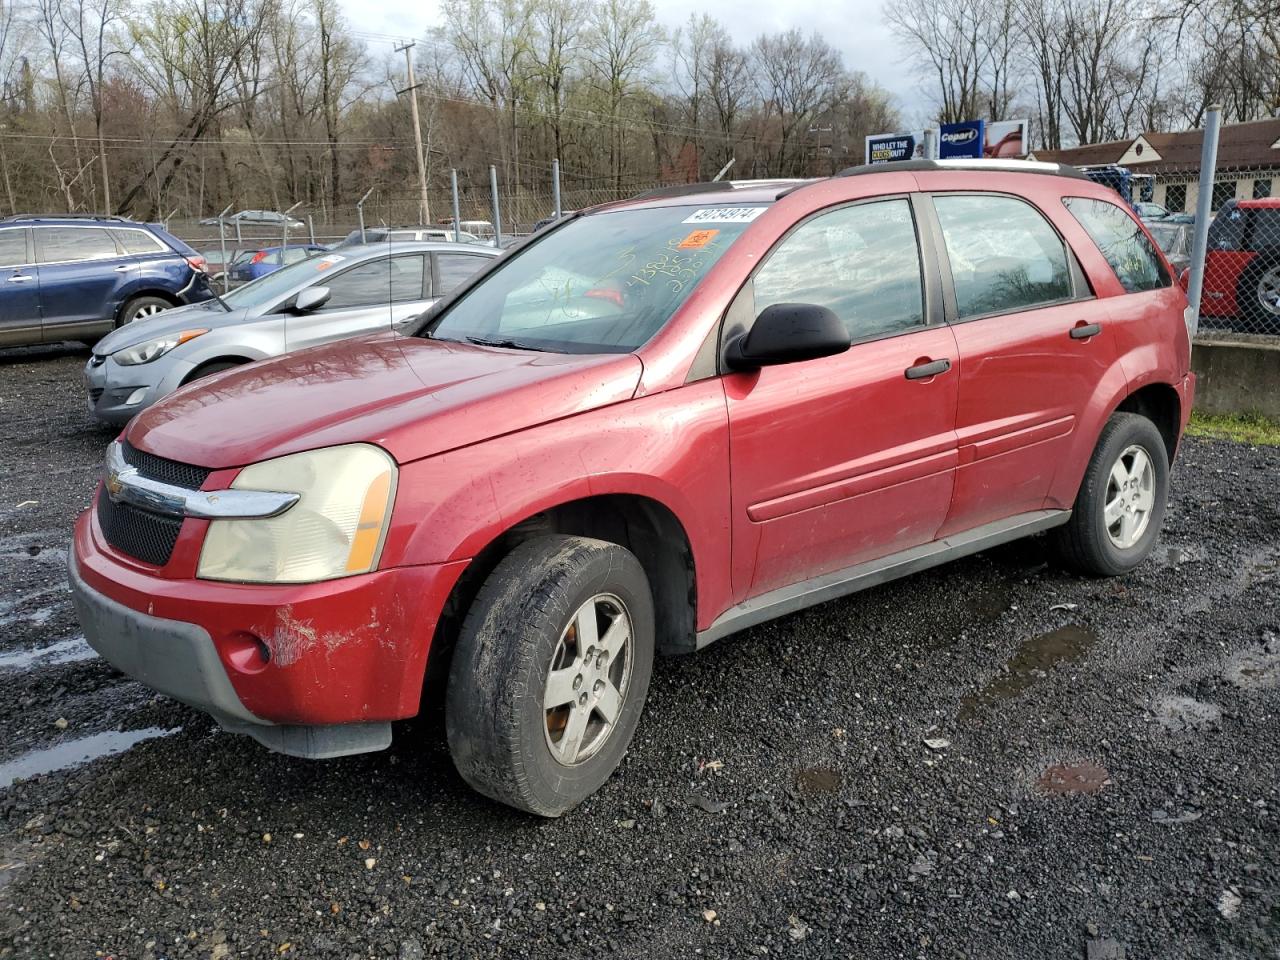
[341, 652]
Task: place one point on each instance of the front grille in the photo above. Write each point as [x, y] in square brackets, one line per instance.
[149, 537]
[166, 471]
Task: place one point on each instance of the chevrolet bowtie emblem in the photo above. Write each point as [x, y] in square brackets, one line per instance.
[113, 484]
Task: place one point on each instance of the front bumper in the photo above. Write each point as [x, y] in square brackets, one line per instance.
[117, 393]
[313, 670]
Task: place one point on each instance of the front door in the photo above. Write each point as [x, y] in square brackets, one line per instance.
[84, 277]
[373, 296]
[1027, 369]
[848, 458]
[19, 289]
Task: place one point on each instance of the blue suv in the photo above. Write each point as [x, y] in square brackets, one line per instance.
[76, 278]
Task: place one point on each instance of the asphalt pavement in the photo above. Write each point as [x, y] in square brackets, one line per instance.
[994, 759]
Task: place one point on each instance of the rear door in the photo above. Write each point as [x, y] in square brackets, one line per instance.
[83, 276]
[19, 289]
[847, 458]
[369, 297]
[1020, 309]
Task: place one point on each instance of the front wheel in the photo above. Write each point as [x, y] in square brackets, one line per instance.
[1120, 507]
[551, 672]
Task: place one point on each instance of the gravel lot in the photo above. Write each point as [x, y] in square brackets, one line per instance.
[994, 759]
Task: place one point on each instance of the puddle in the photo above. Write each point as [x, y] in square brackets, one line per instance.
[815, 780]
[1031, 662]
[1176, 556]
[1178, 713]
[70, 650]
[73, 753]
[1069, 779]
[37, 618]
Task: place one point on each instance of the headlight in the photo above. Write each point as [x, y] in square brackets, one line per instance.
[153, 349]
[335, 529]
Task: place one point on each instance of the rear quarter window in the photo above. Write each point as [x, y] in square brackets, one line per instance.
[1122, 243]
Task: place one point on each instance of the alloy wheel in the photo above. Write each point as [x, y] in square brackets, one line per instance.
[588, 678]
[146, 310]
[1269, 291]
[1130, 497]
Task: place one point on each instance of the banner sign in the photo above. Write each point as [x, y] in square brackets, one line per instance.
[1006, 138]
[887, 147]
[962, 139]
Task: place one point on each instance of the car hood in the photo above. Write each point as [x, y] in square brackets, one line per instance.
[412, 396]
[169, 321]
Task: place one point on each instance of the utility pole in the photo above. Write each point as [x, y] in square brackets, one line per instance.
[412, 90]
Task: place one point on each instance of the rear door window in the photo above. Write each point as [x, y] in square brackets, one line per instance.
[13, 248]
[1004, 255]
[1123, 244]
[70, 244]
[453, 268]
[861, 262]
[393, 280]
[296, 254]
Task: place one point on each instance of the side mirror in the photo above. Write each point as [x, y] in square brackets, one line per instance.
[786, 333]
[312, 298]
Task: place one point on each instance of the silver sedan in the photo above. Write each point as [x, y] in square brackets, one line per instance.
[345, 293]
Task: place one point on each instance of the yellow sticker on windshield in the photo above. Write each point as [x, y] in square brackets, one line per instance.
[697, 239]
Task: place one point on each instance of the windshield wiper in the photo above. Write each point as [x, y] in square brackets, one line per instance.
[501, 342]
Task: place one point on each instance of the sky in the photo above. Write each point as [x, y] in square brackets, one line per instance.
[854, 27]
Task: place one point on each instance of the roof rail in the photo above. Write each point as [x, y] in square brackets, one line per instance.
[714, 186]
[65, 216]
[964, 163]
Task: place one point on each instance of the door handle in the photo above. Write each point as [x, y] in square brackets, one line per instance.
[1083, 331]
[19, 278]
[122, 268]
[923, 371]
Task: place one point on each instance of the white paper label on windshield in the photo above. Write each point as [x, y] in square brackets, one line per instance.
[725, 215]
[324, 263]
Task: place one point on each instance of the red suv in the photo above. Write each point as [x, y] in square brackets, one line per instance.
[656, 423]
[1242, 267]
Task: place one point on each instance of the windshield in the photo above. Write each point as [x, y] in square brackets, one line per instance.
[604, 283]
[267, 288]
[1167, 237]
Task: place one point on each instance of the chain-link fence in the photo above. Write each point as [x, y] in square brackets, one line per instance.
[1240, 292]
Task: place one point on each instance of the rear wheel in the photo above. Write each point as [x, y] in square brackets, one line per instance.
[550, 673]
[140, 308]
[1258, 295]
[1120, 507]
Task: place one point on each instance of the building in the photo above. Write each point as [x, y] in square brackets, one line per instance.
[1248, 162]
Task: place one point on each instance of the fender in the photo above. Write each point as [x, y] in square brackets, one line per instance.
[671, 447]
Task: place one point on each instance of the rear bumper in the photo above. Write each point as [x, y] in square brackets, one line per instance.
[313, 670]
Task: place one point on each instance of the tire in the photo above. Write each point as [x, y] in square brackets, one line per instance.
[140, 308]
[1258, 295]
[1087, 543]
[210, 368]
[504, 740]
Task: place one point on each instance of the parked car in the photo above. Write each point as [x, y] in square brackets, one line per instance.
[1175, 240]
[215, 265]
[74, 278]
[358, 290]
[1150, 211]
[259, 263]
[547, 221]
[255, 218]
[1242, 267]
[403, 234]
[651, 427]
